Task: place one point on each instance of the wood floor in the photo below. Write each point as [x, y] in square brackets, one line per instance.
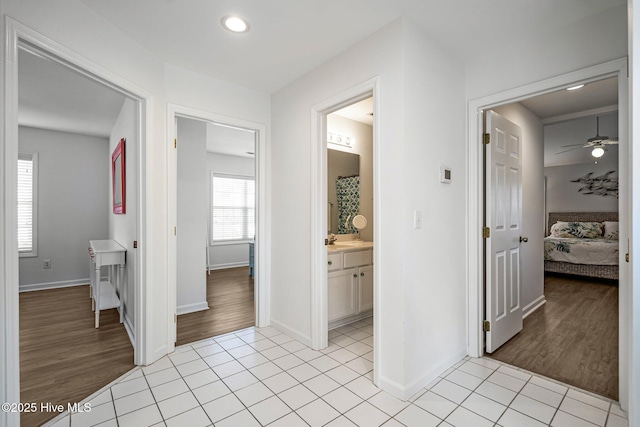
[231, 307]
[573, 338]
[63, 358]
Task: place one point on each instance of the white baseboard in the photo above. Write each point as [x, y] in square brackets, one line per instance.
[192, 308]
[54, 285]
[533, 306]
[428, 377]
[304, 339]
[229, 265]
[129, 328]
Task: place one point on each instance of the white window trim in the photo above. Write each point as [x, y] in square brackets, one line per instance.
[34, 212]
[231, 241]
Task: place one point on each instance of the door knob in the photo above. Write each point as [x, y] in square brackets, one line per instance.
[524, 239]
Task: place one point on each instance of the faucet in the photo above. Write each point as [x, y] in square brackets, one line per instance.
[332, 239]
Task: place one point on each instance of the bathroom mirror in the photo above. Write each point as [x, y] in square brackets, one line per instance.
[343, 191]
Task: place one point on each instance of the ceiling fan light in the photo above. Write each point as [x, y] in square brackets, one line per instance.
[597, 152]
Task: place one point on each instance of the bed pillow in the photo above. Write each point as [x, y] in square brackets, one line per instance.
[611, 230]
[585, 230]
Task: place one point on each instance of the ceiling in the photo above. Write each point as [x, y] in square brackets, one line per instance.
[230, 140]
[54, 97]
[360, 111]
[289, 38]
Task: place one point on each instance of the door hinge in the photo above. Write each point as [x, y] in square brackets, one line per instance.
[175, 231]
[626, 257]
[486, 138]
[135, 244]
[175, 143]
[486, 232]
[486, 326]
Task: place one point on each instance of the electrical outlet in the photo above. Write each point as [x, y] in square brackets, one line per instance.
[46, 263]
[417, 220]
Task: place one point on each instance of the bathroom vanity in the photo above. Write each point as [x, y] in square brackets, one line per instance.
[349, 282]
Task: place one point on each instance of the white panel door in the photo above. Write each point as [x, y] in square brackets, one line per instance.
[503, 204]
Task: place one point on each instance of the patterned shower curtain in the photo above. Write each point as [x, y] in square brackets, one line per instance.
[348, 191]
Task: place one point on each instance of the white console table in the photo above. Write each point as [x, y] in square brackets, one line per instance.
[104, 293]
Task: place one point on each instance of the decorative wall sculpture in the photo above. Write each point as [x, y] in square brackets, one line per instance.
[602, 185]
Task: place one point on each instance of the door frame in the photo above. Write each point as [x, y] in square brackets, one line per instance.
[475, 242]
[17, 34]
[262, 284]
[318, 262]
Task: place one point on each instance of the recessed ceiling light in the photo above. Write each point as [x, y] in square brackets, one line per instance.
[235, 24]
[575, 87]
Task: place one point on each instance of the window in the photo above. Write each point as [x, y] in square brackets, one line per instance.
[27, 206]
[232, 208]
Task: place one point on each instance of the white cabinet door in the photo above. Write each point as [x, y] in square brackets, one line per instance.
[365, 276]
[341, 293]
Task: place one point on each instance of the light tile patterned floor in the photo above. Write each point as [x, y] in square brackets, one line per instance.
[258, 377]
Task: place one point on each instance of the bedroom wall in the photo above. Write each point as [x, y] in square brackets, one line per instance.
[192, 216]
[563, 195]
[363, 146]
[72, 203]
[227, 255]
[123, 227]
[532, 259]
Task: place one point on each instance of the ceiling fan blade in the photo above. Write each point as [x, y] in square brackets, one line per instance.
[610, 141]
[571, 145]
[570, 149]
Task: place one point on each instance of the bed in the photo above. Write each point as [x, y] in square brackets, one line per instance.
[582, 254]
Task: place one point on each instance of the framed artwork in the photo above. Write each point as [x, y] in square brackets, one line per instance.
[118, 178]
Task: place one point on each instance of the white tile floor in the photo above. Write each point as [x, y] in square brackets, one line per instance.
[258, 377]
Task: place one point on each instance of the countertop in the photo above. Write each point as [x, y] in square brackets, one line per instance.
[349, 246]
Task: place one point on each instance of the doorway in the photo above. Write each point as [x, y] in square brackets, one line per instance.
[216, 218]
[24, 44]
[476, 299]
[221, 259]
[320, 308]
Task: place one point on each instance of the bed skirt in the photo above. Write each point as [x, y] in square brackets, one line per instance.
[599, 271]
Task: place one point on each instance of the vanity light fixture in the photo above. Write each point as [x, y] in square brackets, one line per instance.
[597, 152]
[235, 24]
[334, 138]
[576, 87]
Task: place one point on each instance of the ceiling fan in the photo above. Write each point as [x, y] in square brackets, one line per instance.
[598, 143]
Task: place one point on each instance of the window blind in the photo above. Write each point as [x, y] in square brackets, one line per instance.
[232, 208]
[26, 204]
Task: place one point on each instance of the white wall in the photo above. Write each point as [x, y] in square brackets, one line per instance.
[363, 146]
[73, 197]
[227, 255]
[584, 43]
[433, 274]
[379, 55]
[123, 227]
[192, 216]
[563, 195]
[531, 253]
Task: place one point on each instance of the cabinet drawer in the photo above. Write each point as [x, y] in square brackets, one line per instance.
[334, 262]
[354, 259]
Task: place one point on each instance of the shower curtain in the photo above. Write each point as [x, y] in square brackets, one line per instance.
[348, 192]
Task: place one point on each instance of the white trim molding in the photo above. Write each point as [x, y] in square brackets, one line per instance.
[54, 285]
[263, 233]
[533, 306]
[318, 190]
[192, 308]
[474, 196]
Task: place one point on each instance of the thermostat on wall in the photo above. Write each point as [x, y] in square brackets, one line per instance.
[445, 174]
